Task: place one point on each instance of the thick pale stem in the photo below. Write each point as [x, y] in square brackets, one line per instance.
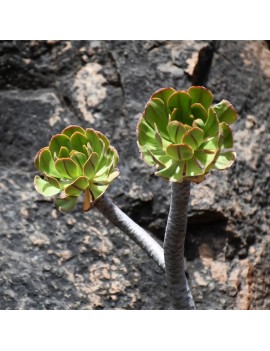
[132, 229]
[174, 248]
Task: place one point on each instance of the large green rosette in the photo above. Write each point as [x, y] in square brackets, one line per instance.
[184, 135]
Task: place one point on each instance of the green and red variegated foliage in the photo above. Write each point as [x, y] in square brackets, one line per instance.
[184, 135]
[76, 161]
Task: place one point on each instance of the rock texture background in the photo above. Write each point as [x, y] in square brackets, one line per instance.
[80, 261]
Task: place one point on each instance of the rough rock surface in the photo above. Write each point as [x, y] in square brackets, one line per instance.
[79, 261]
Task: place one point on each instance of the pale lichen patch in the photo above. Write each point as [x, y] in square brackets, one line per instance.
[89, 89]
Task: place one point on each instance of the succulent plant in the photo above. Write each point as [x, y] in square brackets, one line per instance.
[76, 161]
[184, 136]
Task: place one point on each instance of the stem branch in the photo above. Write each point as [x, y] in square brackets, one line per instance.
[174, 247]
[132, 229]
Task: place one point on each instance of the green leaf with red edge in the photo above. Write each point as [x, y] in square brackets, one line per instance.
[57, 141]
[66, 204]
[78, 140]
[46, 163]
[179, 152]
[97, 190]
[114, 155]
[106, 179]
[205, 156]
[79, 158]
[177, 115]
[198, 111]
[182, 102]
[193, 168]
[164, 94]
[227, 138]
[198, 123]
[145, 133]
[225, 160]
[104, 139]
[155, 113]
[201, 95]
[225, 112]
[36, 159]
[77, 187]
[68, 131]
[67, 168]
[173, 171]
[96, 143]
[90, 166]
[211, 144]
[193, 138]
[211, 127]
[45, 188]
[159, 156]
[87, 150]
[53, 181]
[63, 152]
[176, 131]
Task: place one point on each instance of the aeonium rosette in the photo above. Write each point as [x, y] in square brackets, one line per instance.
[184, 135]
[76, 161]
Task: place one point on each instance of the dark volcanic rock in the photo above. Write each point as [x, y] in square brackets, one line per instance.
[80, 261]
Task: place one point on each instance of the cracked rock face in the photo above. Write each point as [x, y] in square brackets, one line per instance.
[79, 261]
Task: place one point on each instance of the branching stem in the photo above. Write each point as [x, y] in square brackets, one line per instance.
[132, 229]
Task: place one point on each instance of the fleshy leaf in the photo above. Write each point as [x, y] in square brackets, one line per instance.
[96, 143]
[176, 131]
[177, 115]
[199, 111]
[205, 156]
[45, 188]
[97, 190]
[46, 163]
[225, 160]
[226, 136]
[77, 141]
[164, 94]
[79, 158]
[155, 113]
[67, 168]
[198, 123]
[68, 131]
[211, 144]
[77, 187]
[225, 112]
[170, 170]
[155, 159]
[63, 152]
[36, 159]
[201, 95]
[193, 168]
[106, 179]
[193, 138]
[90, 166]
[104, 139]
[182, 102]
[212, 125]
[146, 134]
[66, 204]
[57, 141]
[53, 181]
[179, 152]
